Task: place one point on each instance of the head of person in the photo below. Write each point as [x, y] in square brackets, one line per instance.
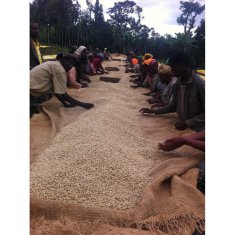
[165, 73]
[81, 51]
[67, 60]
[84, 52]
[90, 56]
[134, 61]
[34, 31]
[132, 54]
[147, 56]
[153, 67]
[94, 53]
[180, 64]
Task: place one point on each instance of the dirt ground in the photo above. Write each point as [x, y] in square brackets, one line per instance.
[43, 129]
[50, 125]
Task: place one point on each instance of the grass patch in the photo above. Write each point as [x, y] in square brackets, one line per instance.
[49, 52]
[52, 49]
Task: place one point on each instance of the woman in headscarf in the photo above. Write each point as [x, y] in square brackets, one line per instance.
[134, 65]
[97, 63]
[82, 61]
[107, 54]
[166, 77]
[152, 71]
[143, 80]
[90, 69]
[147, 58]
[81, 51]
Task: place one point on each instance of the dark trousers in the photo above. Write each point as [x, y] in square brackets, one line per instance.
[36, 101]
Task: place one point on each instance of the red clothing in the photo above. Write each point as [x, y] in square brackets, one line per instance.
[134, 61]
[148, 61]
[96, 63]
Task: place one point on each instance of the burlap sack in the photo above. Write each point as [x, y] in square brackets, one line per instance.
[170, 203]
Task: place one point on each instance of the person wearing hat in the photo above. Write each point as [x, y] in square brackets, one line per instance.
[134, 66]
[50, 78]
[188, 95]
[97, 63]
[106, 54]
[165, 77]
[35, 53]
[146, 60]
[82, 61]
[148, 70]
[90, 69]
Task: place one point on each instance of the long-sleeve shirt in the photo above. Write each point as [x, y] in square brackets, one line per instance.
[168, 91]
[189, 102]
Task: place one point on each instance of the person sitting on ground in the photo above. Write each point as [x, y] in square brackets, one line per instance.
[82, 60]
[147, 58]
[195, 140]
[188, 95]
[90, 69]
[165, 96]
[150, 79]
[35, 53]
[51, 78]
[97, 63]
[72, 73]
[134, 66]
[107, 54]
[129, 57]
[72, 79]
[99, 53]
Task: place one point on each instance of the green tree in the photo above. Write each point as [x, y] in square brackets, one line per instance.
[98, 11]
[200, 42]
[56, 18]
[190, 11]
[200, 31]
[125, 19]
[90, 7]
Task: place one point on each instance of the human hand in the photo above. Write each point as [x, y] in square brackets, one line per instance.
[66, 105]
[155, 106]
[181, 126]
[146, 110]
[84, 85]
[79, 85]
[152, 100]
[171, 144]
[147, 94]
[87, 105]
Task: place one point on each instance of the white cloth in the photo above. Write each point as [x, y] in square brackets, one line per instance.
[79, 50]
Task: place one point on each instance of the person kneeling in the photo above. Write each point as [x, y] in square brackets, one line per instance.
[51, 78]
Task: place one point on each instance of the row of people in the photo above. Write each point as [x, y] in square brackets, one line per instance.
[53, 77]
[69, 69]
[88, 63]
[174, 87]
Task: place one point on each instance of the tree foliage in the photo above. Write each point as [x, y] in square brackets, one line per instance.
[63, 22]
[190, 10]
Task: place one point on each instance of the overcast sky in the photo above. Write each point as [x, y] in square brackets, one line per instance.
[159, 14]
